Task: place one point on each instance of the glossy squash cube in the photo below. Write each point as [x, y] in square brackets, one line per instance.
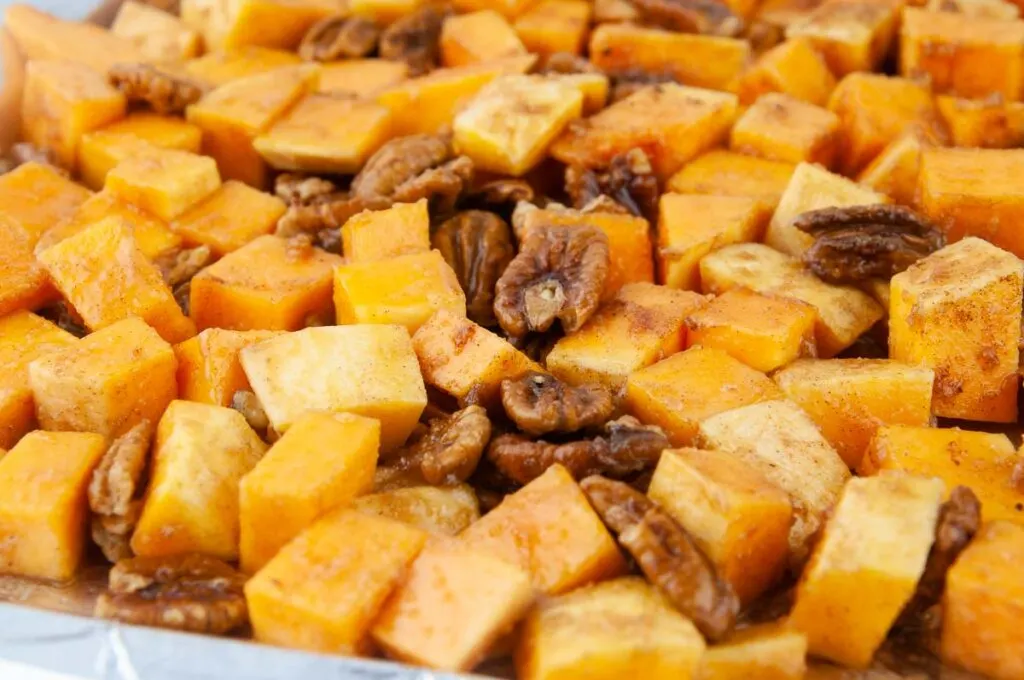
[552, 26]
[229, 218]
[727, 173]
[782, 128]
[24, 284]
[990, 123]
[384, 11]
[478, 37]
[219, 67]
[263, 23]
[37, 198]
[440, 510]
[851, 35]
[593, 86]
[767, 651]
[361, 77]
[159, 35]
[209, 370]
[895, 170]
[164, 182]
[794, 68]
[372, 235]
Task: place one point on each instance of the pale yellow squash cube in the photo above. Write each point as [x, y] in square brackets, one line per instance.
[593, 86]
[783, 128]
[165, 182]
[866, 566]
[373, 235]
[209, 370]
[767, 652]
[265, 23]
[220, 67]
[36, 197]
[478, 37]
[727, 173]
[361, 78]
[322, 462]
[552, 26]
[441, 510]
[850, 35]
[368, 369]
[229, 218]
[158, 35]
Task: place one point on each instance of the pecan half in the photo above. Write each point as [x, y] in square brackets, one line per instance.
[559, 273]
[478, 246]
[248, 404]
[666, 555]
[328, 211]
[166, 93]
[499, 192]
[448, 452]
[415, 39]
[629, 181]
[114, 489]
[627, 81]
[539, 403]
[194, 593]
[113, 533]
[409, 168]
[339, 37]
[294, 188]
[691, 16]
[182, 264]
[864, 241]
[537, 346]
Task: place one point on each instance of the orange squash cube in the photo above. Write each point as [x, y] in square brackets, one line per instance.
[640, 326]
[738, 518]
[37, 197]
[107, 278]
[793, 68]
[164, 182]
[23, 281]
[372, 235]
[782, 13]
[229, 218]
[44, 480]
[726, 173]
[782, 128]
[322, 462]
[508, 8]
[767, 652]
[455, 603]
[990, 123]
[476, 37]
[279, 295]
[264, 23]
[107, 382]
[209, 370]
[552, 26]
[159, 36]
[691, 225]
[765, 332]
[895, 170]
[217, 68]
[361, 77]
[440, 510]
[851, 35]
[549, 529]
[323, 591]
[62, 101]
[850, 399]
[383, 11]
[679, 392]
[593, 86]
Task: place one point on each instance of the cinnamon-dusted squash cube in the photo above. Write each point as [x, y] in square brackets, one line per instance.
[455, 603]
[844, 313]
[361, 77]
[159, 35]
[765, 332]
[62, 101]
[509, 125]
[165, 182]
[107, 382]
[866, 566]
[322, 462]
[895, 169]
[264, 23]
[24, 284]
[726, 173]
[280, 295]
[200, 454]
[220, 67]
[734, 514]
[477, 37]
[43, 515]
[107, 278]
[404, 290]
[593, 86]
[369, 370]
[552, 26]
[229, 218]
[962, 55]
[37, 197]
[679, 392]
[990, 9]
[441, 510]
[209, 370]
[508, 8]
[461, 358]
[852, 35]
[699, 60]
[672, 123]
[782, 128]
[958, 311]
[691, 225]
[850, 399]
[549, 529]
[768, 651]
[990, 123]
[638, 327]
[372, 235]
[794, 68]
[622, 628]
[982, 604]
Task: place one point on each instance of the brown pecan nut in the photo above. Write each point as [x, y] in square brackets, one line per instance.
[865, 241]
[629, 181]
[448, 452]
[666, 555]
[194, 593]
[339, 37]
[166, 93]
[559, 273]
[691, 16]
[115, 480]
[539, 403]
[415, 39]
[182, 264]
[329, 211]
[627, 81]
[113, 533]
[500, 192]
[293, 188]
[248, 404]
[537, 346]
[478, 246]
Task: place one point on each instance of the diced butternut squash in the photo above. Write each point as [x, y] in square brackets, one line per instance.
[200, 453]
[794, 68]
[737, 517]
[37, 198]
[990, 123]
[641, 325]
[679, 392]
[691, 225]
[463, 359]
[383, 11]
[324, 590]
[369, 370]
[263, 23]
[726, 173]
[165, 182]
[851, 35]
[767, 652]
[982, 604]
[549, 529]
[477, 37]
[593, 86]
[866, 566]
[229, 218]
[40, 36]
[441, 510]
[322, 462]
[209, 370]
[552, 26]
[455, 603]
[361, 77]
[509, 125]
[962, 55]
[220, 67]
[23, 281]
[622, 628]
[765, 332]
[958, 311]
[844, 313]
[158, 35]
[508, 8]
[402, 229]
[983, 461]
[281, 294]
[672, 123]
[780, 441]
[782, 128]
[107, 382]
[101, 151]
[895, 169]
[107, 278]
[43, 515]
